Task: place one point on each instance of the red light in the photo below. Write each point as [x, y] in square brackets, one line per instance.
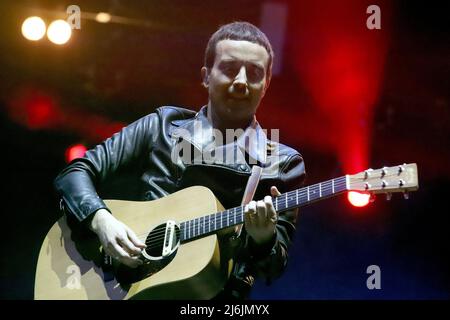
[75, 151]
[358, 199]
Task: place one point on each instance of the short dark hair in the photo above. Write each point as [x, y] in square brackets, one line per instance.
[239, 30]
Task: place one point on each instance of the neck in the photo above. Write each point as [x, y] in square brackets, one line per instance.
[223, 122]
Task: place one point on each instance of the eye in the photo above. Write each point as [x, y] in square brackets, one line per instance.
[255, 73]
[230, 69]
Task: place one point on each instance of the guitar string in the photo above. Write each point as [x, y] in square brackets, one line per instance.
[158, 236]
[195, 224]
[287, 194]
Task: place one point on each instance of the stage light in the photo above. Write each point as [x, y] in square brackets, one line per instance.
[59, 32]
[33, 28]
[75, 151]
[358, 199]
[103, 17]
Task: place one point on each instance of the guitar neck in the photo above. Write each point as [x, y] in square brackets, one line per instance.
[212, 223]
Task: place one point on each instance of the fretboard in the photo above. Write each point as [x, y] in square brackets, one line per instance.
[212, 223]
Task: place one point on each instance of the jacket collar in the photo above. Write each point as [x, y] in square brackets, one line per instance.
[199, 132]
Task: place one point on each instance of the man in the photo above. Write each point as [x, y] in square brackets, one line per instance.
[144, 160]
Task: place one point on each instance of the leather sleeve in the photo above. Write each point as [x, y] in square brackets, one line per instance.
[269, 261]
[77, 183]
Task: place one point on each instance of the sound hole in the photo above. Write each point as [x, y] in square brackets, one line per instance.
[155, 240]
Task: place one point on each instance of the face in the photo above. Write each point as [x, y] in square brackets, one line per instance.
[237, 81]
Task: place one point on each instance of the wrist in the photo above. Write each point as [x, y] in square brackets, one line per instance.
[98, 216]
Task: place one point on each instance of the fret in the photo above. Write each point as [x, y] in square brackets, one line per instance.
[184, 229]
[314, 192]
[326, 189]
[320, 190]
[307, 192]
[286, 200]
[303, 196]
[215, 216]
[203, 224]
[276, 204]
[189, 229]
[221, 223]
[296, 197]
[198, 226]
[332, 185]
[211, 222]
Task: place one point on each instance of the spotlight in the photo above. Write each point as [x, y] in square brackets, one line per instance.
[33, 28]
[103, 17]
[59, 32]
[75, 151]
[358, 199]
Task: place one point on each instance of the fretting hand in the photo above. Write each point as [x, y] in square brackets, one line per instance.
[260, 218]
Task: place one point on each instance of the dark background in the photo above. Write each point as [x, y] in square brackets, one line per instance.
[108, 75]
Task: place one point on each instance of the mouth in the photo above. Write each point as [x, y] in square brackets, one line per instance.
[239, 97]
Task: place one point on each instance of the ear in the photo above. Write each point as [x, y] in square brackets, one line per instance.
[205, 77]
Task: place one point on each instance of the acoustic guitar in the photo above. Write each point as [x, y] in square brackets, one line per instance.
[185, 257]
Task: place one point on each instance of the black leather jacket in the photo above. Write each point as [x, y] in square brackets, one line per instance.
[141, 157]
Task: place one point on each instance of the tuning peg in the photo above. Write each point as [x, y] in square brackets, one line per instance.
[388, 196]
[367, 173]
[383, 171]
[406, 195]
[372, 197]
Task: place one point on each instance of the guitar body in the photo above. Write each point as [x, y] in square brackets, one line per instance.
[70, 263]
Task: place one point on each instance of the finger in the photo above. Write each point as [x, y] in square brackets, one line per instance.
[271, 212]
[252, 210]
[250, 213]
[134, 239]
[261, 212]
[252, 207]
[247, 220]
[274, 191]
[129, 246]
[125, 257]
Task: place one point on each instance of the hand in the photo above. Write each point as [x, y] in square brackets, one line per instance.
[260, 218]
[118, 241]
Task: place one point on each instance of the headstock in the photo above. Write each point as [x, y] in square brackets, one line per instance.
[401, 178]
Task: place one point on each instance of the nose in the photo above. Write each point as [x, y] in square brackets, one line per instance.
[240, 81]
